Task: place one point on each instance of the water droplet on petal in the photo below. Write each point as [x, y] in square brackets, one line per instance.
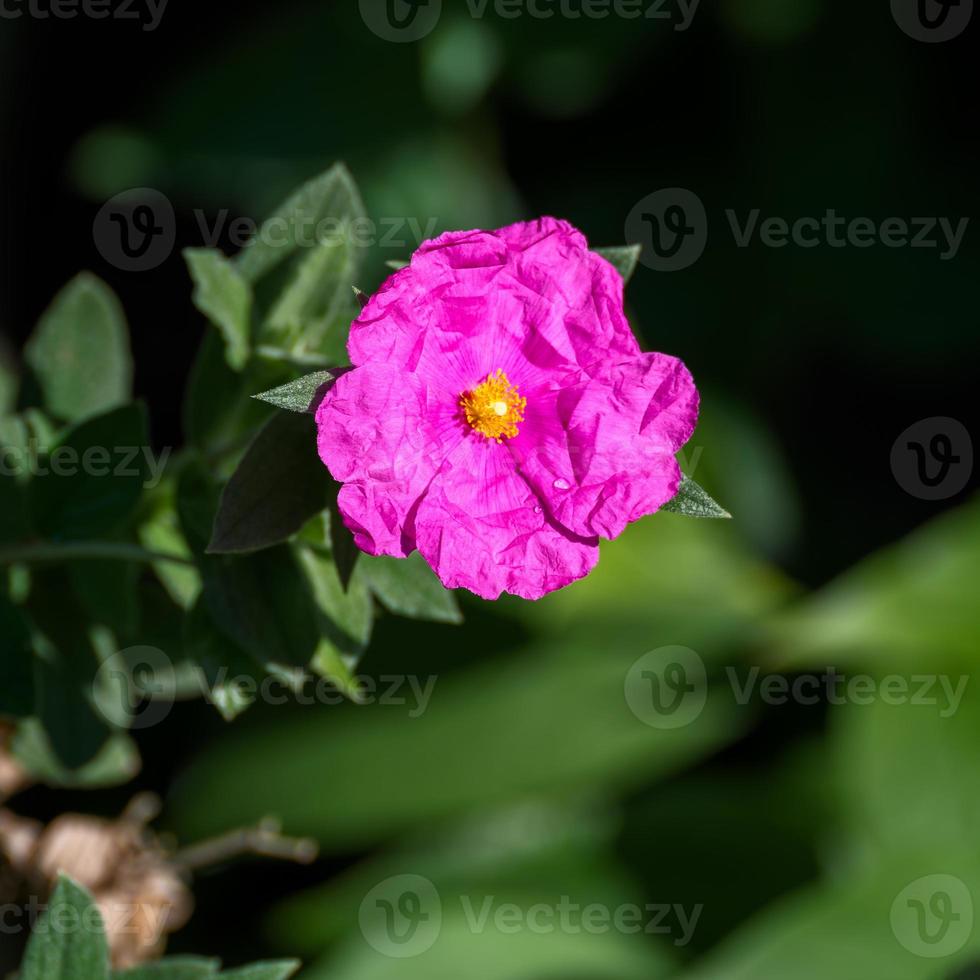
[537, 510]
[561, 484]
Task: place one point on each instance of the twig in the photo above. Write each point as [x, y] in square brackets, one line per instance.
[265, 840]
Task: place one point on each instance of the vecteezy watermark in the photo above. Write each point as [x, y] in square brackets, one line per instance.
[148, 13]
[933, 458]
[935, 690]
[136, 231]
[303, 230]
[932, 21]
[135, 688]
[573, 918]
[400, 690]
[127, 462]
[668, 688]
[672, 227]
[147, 920]
[402, 917]
[411, 20]
[933, 916]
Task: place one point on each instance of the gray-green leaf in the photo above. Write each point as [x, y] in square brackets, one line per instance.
[332, 195]
[79, 351]
[623, 258]
[692, 501]
[409, 587]
[278, 970]
[224, 296]
[300, 395]
[69, 941]
[172, 968]
[278, 486]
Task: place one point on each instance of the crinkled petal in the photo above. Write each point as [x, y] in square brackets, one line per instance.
[602, 453]
[380, 436]
[481, 528]
[470, 302]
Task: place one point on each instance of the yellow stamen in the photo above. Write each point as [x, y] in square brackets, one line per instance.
[494, 407]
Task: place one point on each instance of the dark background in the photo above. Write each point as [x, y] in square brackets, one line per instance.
[816, 359]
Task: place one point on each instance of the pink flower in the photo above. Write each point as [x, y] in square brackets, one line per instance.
[500, 416]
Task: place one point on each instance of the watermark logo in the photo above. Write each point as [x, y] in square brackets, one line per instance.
[401, 916]
[148, 13]
[135, 231]
[672, 226]
[933, 458]
[401, 21]
[134, 688]
[667, 687]
[932, 21]
[933, 916]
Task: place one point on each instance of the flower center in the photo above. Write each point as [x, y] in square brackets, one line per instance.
[494, 407]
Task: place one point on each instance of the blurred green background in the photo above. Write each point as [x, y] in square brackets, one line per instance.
[789, 831]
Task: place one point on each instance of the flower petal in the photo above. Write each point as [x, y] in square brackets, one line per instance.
[474, 302]
[601, 454]
[481, 528]
[380, 437]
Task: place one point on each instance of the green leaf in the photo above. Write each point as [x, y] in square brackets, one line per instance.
[212, 396]
[345, 619]
[69, 942]
[692, 501]
[263, 603]
[78, 498]
[397, 264]
[278, 486]
[913, 598]
[331, 196]
[225, 298]
[278, 970]
[409, 587]
[162, 534]
[171, 968]
[115, 765]
[75, 729]
[623, 258]
[79, 351]
[316, 302]
[227, 671]
[560, 724]
[301, 395]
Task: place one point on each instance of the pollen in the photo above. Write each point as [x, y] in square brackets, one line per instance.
[494, 407]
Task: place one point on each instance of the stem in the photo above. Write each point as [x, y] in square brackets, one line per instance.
[45, 551]
[264, 840]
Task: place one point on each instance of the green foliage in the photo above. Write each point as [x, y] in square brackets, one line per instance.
[299, 395]
[692, 501]
[69, 943]
[623, 258]
[278, 486]
[229, 558]
[80, 351]
[225, 298]
[92, 498]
